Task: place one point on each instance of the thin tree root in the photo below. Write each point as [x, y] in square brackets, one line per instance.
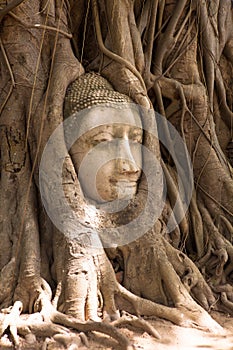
[84, 339]
[9, 7]
[10, 319]
[30, 328]
[68, 339]
[109, 53]
[11, 75]
[228, 225]
[176, 200]
[226, 302]
[197, 226]
[130, 320]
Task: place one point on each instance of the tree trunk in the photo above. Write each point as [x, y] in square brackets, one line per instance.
[175, 57]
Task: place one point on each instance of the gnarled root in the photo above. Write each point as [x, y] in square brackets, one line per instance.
[51, 323]
[182, 315]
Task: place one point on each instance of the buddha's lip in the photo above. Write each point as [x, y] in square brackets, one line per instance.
[124, 181]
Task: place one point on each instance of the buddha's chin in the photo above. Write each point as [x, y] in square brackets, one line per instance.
[125, 190]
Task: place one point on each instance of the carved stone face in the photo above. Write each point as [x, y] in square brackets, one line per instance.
[108, 157]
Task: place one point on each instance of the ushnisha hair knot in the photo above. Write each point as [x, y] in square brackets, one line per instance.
[91, 89]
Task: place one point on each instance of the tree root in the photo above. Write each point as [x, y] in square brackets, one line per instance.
[56, 324]
[11, 311]
[10, 321]
[130, 320]
[8, 8]
[51, 323]
[182, 315]
[111, 54]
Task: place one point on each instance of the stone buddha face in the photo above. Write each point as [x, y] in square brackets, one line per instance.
[108, 155]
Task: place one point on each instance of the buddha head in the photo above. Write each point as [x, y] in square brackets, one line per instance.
[107, 154]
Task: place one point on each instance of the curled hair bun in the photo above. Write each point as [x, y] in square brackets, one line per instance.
[91, 89]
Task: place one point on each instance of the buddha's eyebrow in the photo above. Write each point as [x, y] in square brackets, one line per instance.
[137, 132]
[101, 133]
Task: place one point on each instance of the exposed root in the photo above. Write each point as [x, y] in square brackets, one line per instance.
[51, 324]
[111, 54]
[92, 326]
[11, 75]
[10, 321]
[53, 69]
[67, 340]
[9, 7]
[130, 320]
[185, 316]
[49, 329]
[226, 301]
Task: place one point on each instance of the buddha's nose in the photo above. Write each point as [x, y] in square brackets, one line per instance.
[126, 162]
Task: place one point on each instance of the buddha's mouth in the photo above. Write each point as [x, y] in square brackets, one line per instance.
[125, 189]
[124, 182]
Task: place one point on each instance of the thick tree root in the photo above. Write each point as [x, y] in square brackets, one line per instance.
[30, 329]
[182, 315]
[55, 326]
[50, 323]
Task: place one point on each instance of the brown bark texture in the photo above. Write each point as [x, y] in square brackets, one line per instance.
[175, 57]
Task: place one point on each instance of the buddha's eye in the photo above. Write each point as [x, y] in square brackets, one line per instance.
[136, 138]
[101, 138]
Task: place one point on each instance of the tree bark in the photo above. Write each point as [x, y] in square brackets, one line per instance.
[173, 57]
